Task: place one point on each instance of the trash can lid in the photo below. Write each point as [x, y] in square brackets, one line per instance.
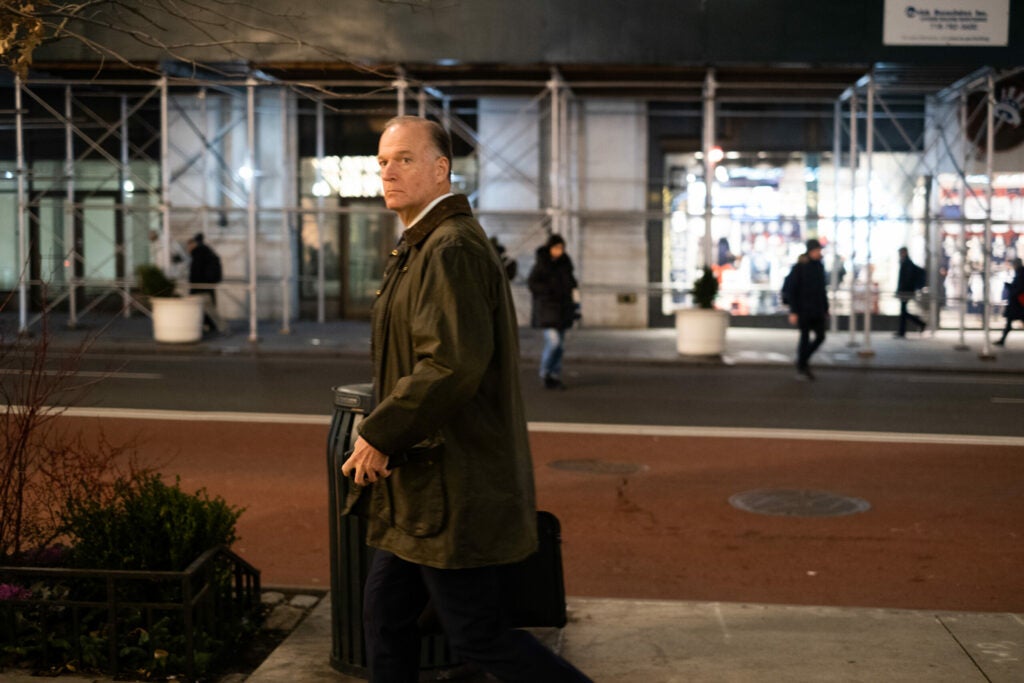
[358, 397]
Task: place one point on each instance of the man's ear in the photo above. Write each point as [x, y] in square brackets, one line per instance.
[444, 168]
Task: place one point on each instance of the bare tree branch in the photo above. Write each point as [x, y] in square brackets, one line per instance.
[218, 24]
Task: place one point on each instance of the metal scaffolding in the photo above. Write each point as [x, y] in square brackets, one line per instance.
[947, 110]
[183, 155]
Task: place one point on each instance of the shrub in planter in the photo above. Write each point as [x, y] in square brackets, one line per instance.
[705, 289]
[153, 282]
[700, 331]
[148, 525]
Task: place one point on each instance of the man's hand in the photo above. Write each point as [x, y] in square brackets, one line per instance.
[366, 464]
[793, 318]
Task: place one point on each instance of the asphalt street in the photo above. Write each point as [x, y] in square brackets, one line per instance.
[629, 394]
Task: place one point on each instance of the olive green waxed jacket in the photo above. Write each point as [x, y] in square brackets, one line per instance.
[445, 356]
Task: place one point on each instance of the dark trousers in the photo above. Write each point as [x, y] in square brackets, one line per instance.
[1006, 330]
[806, 348]
[208, 305]
[468, 604]
[906, 315]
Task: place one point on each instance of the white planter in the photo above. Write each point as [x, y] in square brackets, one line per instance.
[178, 320]
[701, 331]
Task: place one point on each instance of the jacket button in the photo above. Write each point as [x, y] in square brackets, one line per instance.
[378, 292]
[405, 268]
[394, 252]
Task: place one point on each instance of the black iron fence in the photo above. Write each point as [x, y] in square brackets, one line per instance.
[116, 621]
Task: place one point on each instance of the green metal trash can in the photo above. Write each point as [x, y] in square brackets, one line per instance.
[350, 556]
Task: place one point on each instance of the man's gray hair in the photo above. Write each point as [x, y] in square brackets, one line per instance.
[438, 135]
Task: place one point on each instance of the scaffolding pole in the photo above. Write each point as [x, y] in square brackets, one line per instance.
[570, 190]
[250, 133]
[127, 230]
[932, 234]
[961, 240]
[837, 152]
[23, 258]
[204, 113]
[72, 258]
[401, 86]
[986, 305]
[853, 223]
[288, 187]
[321, 307]
[165, 180]
[707, 144]
[554, 175]
[869, 148]
[446, 114]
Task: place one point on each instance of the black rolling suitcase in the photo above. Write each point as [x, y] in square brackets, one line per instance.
[534, 589]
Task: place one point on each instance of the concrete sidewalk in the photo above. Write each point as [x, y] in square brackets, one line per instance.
[933, 351]
[646, 641]
[632, 641]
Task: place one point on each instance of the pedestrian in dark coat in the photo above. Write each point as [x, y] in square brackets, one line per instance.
[911, 278]
[204, 269]
[1014, 300]
[441, 469]
[808, 305]
[551, 283]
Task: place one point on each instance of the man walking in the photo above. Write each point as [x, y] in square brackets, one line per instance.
[205, 270]
[1014, 292]
[911, 279]
[442, 468]
[808, 305]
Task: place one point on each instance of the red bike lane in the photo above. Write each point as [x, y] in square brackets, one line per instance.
[650, 517]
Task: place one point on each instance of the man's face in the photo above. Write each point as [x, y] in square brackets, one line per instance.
[412, 171]
[556, 251]
[815, 254]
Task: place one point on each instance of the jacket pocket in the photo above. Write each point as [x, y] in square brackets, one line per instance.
[418, 498]
[355, 502]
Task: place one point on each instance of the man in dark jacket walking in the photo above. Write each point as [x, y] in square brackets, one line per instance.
[1014, 300]
[204, 269]
[551, 283]
[441, 469]
[910, 279]
[808, 305]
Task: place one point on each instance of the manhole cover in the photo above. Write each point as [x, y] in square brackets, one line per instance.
[594, 466]
[798, 503]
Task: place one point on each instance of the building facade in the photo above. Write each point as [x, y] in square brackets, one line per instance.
[656, 139]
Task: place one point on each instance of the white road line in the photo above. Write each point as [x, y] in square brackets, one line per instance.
[790, 434]
[91, 374]
[580, 428]
[196, 416]
[999, 399]
[964, 379]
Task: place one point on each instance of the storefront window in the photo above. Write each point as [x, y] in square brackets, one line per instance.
[962, 209]
[766, 205]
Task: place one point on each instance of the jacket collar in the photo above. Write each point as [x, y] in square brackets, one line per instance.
[456, 205]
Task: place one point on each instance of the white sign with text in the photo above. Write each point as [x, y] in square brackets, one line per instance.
[966, 23]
